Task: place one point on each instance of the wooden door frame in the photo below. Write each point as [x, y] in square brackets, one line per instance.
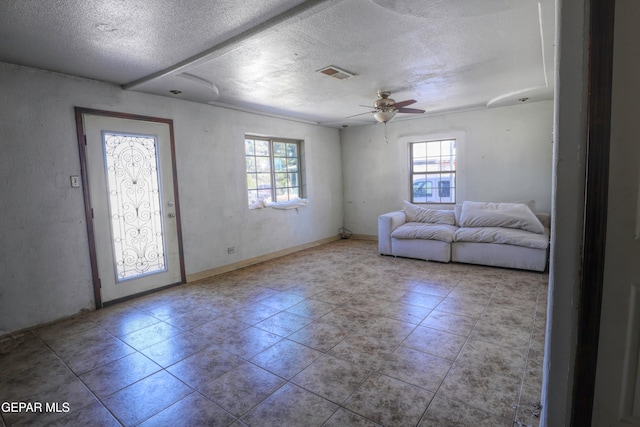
[601, 30]
[79, 111]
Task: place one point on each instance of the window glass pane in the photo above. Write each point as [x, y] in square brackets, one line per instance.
[448, 155]
[293, 179]
[281, 194]
[433, 149]
[251, 164]
[263, 164]
[294, 192]
[446, 164]
[281, 180]
[448, 148]
[262, 148]
[252, 196]
[252, 181]
[264, 180]
[420, 164]
[279, 164]
[279, 149]
[292, 150]
[419, 149]
[249, 147]
[419, 188]
[433, 196]
[451, 177]
[433, 165]
[292, 164]
[444, 186]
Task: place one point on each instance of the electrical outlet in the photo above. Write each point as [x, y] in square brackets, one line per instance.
[231, 250]
[75, 181]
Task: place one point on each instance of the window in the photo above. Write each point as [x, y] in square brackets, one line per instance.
[433, 171]
[273, 169]
[444, 188]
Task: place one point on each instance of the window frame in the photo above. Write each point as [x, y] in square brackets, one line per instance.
[451, 190]
[273, 171]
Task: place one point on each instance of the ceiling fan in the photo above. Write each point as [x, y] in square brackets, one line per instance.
[385, 108]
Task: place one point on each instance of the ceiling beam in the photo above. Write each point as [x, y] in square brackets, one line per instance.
[300, 11]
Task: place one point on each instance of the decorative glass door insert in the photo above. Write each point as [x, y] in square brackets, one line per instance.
[134, 197]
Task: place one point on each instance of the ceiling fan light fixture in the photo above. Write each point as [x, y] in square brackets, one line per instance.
[384, 116]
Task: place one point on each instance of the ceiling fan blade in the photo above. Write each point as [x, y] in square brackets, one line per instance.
[404, 103]
[361, 114]
[410, 110]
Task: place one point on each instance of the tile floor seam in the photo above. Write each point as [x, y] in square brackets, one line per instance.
[138, 381]
[342, 404]
[339, 404]
[455, 362]
[516, 417]
[122, 388]
[349, 411]
[396, 348]
[526, 361]
[164, 409]
[98, 400]
[464, 404]
[286, 382]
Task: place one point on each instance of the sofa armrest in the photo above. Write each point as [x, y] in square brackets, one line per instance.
[544, 218]
[386, 224]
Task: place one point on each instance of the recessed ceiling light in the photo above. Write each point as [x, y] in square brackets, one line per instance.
[336, 72]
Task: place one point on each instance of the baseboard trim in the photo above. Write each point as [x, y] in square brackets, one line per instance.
[256, 260]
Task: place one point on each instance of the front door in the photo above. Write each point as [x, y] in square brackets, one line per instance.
[133, 204]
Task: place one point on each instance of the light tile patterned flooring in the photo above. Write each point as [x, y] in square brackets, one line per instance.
[336, 335]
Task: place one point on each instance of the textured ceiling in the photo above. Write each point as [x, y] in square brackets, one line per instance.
[449, 55]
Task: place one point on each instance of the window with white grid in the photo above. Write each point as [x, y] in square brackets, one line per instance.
[274, 172]
[433, 171]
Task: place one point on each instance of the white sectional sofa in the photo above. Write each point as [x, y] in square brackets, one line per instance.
[495, 234]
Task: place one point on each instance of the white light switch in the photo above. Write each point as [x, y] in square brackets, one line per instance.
[75, 181]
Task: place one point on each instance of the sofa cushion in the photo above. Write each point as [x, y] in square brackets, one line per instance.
[419, 230]
[432, 216]
[505, 236]
[508, 215]
[531, 203]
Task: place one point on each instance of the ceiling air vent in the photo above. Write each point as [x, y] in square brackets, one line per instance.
[336, 72]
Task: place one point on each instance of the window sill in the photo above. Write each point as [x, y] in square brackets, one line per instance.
[290, 204]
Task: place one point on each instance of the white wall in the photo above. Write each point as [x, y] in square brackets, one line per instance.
[504, 154]
[44, 262]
